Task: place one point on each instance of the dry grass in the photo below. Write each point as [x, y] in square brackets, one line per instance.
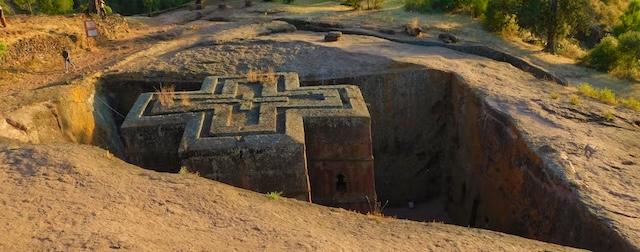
[109, 155]
[267, 76]
[166, 95]
[185, 100]
[415, 23]
[375, 210]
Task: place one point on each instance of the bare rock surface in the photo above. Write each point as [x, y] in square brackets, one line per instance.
[83, 198]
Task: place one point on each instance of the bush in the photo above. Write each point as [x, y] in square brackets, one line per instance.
[3, 49]
[604, 56]
[500, 15]
[437, 5]
[479, 8]
[629, 48]
[355, 4]
[606, 95]
[108, 9]
[417, 5]
[374, 4]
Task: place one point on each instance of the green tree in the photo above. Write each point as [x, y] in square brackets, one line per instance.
[630, 20]
[553, 19]
[25, 5]
[53, 7]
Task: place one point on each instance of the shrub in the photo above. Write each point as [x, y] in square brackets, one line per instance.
[604, 56]
[273, 195]
[629, 54]
[587, 90]
[631, 103]
[108, 9]
[554, 95]
[355, 4]
[439, 5]
[417, 5]
[500, 15]
[574, 100]
[374, 4]
[3, 49]
[606, 95]
[608, 116]
[479, 8]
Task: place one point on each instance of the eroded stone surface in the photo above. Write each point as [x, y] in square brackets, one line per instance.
[269, 135]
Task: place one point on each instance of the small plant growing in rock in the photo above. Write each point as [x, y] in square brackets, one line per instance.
[414, 24]
[375, 209]
[185, 100]
[183, 170]
[574, 100]
[268, 76]
[608, 116]
[166, 95]
[554, 95]
[273, 195]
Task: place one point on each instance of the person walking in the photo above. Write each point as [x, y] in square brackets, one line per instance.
[2, 19]
[67, 61]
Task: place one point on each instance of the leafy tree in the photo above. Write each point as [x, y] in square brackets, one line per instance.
[53, 7]
[499, 13]
[630, 20]
[553, 19]
[25, 5]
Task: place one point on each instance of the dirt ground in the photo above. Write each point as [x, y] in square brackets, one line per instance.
[75, 197]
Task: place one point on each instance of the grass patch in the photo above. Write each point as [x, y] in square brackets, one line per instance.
[631, 103]
[604, 95]
[554, 95]
[588, 90]
[608, 116]
[574, 100]
[273, 195]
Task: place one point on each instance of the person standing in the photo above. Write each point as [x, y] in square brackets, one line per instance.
[2, 19]
[67, 61]
[103, 10]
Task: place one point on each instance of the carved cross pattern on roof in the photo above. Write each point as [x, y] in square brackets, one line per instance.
[234, 106]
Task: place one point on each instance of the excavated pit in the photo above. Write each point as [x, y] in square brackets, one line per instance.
[437, 143]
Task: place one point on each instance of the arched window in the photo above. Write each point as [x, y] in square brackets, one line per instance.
[341, 183]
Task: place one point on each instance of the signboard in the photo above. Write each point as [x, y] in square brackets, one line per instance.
[91, 28]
